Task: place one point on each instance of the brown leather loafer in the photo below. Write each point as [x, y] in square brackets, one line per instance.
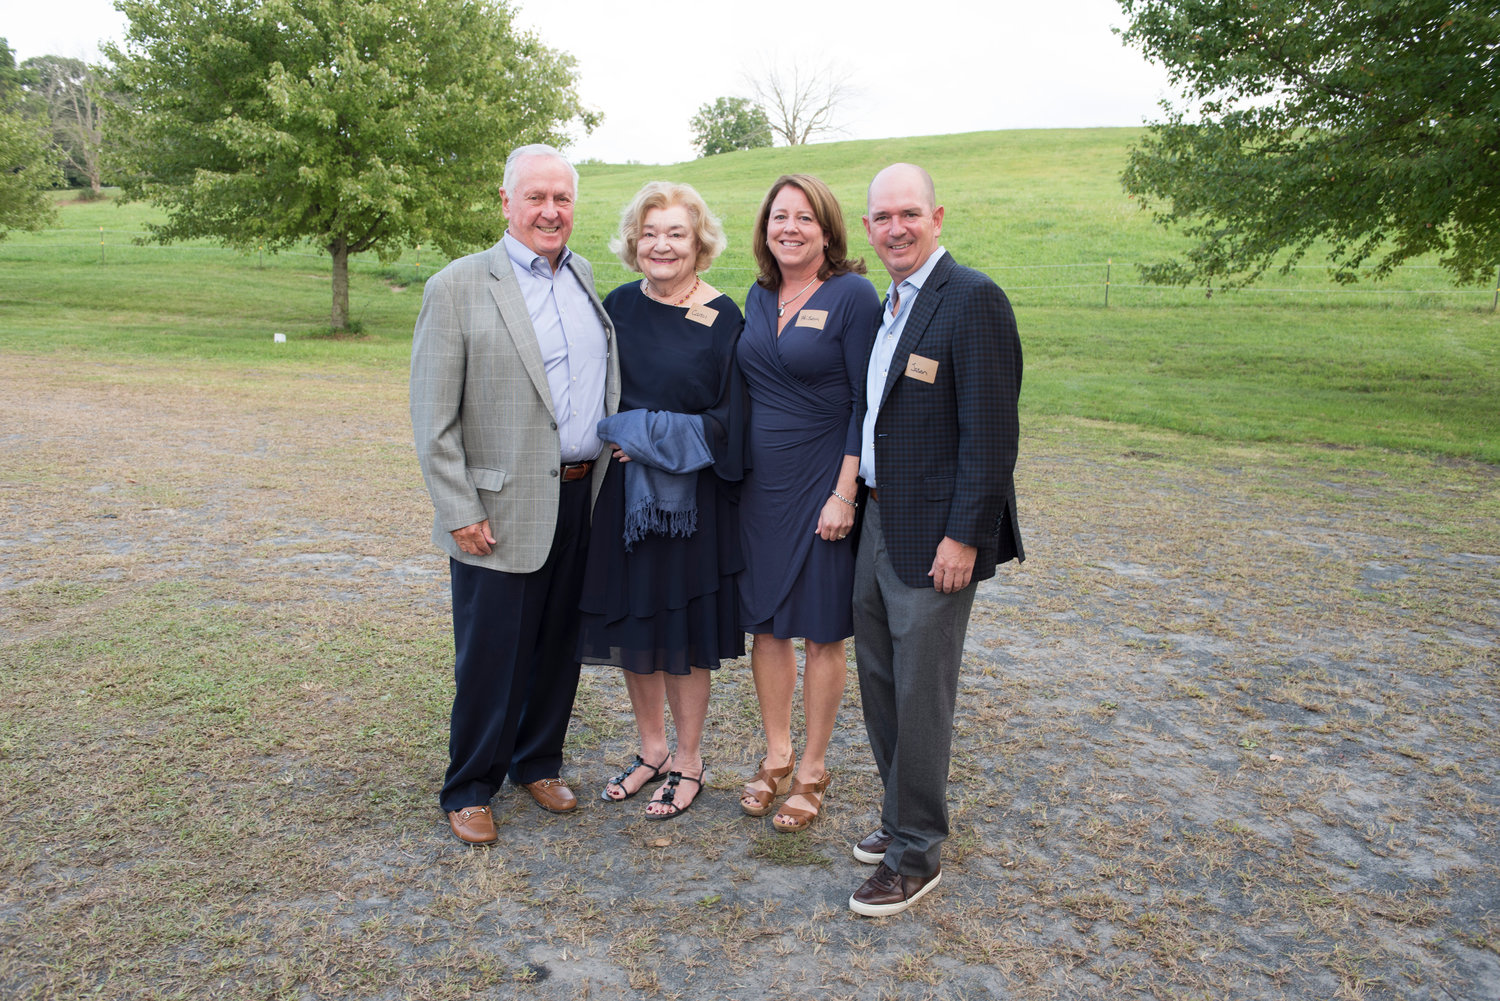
[552, 795]
[888, 892]
[872, 849]
[474, 825]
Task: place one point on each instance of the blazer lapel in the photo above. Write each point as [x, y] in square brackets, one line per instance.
[916, 324]
[517, 322]
[585, 275]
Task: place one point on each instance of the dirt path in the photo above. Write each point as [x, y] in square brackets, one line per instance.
[1231, 732]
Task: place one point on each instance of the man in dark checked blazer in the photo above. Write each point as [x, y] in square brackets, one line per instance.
[512, 364]
[939, 450]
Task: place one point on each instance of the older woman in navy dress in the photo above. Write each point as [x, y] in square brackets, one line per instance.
[809, 322]
[662, 605]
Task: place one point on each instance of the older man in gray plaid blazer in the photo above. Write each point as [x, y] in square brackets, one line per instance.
[513, 363]
[939, 450]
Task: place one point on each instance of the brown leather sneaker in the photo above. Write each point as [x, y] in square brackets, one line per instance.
[474, 825]
[552, 795]
[887, 892]
[872, 849]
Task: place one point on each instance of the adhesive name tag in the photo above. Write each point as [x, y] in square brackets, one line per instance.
[922, 369]
[816, 318]
[702, 314]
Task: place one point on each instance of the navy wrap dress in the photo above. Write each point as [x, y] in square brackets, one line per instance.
[806, 388]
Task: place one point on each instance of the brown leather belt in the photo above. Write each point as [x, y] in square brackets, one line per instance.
[874, 494]
[576, 470]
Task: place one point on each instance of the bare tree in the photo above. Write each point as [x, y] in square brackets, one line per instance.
[802, 101]
[69, 90]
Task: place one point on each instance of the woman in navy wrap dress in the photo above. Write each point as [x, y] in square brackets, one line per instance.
[809, 322]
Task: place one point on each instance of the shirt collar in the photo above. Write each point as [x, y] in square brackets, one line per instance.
[530, 260]
[918, 277]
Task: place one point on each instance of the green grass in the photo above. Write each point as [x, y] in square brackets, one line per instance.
[1409, 364]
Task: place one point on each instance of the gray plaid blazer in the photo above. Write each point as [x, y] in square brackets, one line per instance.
[482, 413]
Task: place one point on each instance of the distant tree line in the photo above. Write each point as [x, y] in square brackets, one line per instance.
[355, 126]
[62, 101]
[37, 145]
[1370, 129]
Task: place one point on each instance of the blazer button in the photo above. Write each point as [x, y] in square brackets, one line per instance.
[554, 472]
[554, 425]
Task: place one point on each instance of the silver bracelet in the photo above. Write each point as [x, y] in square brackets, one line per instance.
[844, 499]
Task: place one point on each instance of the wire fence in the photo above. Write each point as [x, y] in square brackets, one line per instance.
[1106, 283]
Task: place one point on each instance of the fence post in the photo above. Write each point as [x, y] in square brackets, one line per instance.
[1497, 291]
[1108, 266]
[101, 244]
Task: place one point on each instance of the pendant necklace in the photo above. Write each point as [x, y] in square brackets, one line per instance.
[782, 304]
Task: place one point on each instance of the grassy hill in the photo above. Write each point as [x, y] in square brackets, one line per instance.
[1411, 364]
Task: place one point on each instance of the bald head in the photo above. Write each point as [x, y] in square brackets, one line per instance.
[903, 220]
[905, 173]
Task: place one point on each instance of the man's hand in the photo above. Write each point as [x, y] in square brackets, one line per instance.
[953, 566]
[476, 540]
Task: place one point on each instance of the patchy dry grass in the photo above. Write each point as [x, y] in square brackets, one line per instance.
[1231, 732]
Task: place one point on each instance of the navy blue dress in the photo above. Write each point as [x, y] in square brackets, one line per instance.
[670, 603]
[805, 389]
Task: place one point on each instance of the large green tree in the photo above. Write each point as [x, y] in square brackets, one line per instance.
[730, 123]
[27, 165]
[361, 125]
[1370, 125]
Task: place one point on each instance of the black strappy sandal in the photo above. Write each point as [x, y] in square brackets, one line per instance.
[619, 780]
[670, 790]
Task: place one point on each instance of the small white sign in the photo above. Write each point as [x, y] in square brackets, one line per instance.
[278, 338]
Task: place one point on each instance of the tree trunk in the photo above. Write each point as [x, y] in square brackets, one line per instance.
[340, 251]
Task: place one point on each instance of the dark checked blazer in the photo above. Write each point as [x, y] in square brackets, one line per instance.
[945, 451]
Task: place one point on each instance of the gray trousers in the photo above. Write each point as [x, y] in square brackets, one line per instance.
[908, 643]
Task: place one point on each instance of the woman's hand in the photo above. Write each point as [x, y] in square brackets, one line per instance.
[617, 453]
[835, 520]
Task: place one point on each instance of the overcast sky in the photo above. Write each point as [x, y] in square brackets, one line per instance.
[964, 66]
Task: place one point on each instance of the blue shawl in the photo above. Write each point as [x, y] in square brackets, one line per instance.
[666, 451]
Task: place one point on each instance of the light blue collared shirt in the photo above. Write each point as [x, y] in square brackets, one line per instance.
[574, 348]
[886, 338]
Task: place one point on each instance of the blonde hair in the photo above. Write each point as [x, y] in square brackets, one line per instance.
[708, 234]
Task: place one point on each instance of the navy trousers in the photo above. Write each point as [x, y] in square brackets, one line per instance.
[515, 666]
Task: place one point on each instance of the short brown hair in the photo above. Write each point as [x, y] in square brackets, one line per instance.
[836, 259]
[707, 232]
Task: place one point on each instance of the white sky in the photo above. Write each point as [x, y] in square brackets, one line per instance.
[919, 67]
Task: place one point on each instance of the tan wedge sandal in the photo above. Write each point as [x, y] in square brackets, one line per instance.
[802, 819]
[765, 799]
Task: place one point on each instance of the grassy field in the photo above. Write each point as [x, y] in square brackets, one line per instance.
[1407, 364]
[1229, 733]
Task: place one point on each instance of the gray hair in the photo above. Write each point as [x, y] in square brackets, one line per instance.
[512, 163]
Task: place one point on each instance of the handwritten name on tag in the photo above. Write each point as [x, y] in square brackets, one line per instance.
[816, 318]
[702, 314]
[922, 369]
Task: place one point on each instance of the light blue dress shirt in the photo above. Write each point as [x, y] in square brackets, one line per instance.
[574, 348]
[886, 339]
